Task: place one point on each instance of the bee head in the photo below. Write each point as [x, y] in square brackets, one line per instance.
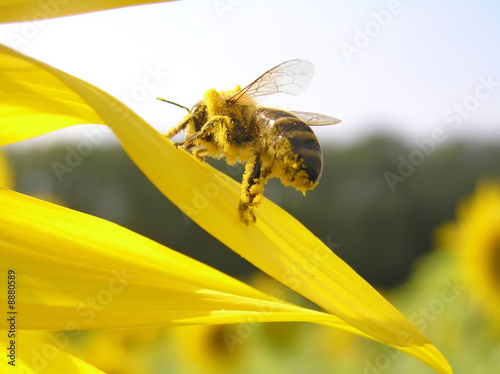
[199, 115]
[198, 108]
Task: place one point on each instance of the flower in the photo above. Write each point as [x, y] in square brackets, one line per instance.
[477, 241]
[34, 10]
[79, 272]
[207, 348]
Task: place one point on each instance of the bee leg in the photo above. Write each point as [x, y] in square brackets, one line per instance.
[253, 187]
[200, 153]
[177, 129]
[205, 130]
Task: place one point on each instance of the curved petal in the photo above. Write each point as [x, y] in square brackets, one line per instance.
[33, 356]
[74, 271]
[35, 10]
[277, 243]
[37, 103]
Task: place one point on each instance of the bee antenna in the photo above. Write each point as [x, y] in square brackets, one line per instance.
[171, 102]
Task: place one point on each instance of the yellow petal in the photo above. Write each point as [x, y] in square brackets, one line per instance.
[277, 243]
[36, 10]
[72, 271]
[431, 356]
[6, 172]
[38, 103]
[29, 355]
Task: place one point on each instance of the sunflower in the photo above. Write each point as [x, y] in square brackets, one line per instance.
[75, 272]
[478, 243]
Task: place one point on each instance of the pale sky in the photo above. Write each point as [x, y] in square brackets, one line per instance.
[407, 67]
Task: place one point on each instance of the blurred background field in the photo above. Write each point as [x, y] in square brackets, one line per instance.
[403, 238]
[404, 198]
[380, 231]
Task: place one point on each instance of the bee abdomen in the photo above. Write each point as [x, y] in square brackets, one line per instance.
[300, 137]
[304, 144]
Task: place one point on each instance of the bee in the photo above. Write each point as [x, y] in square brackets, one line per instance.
[271, 142]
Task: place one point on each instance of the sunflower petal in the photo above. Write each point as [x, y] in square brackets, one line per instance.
[36, 10]
[277, 243]
[75, 271]
[431, 356]
[29, 105]
[33, 356]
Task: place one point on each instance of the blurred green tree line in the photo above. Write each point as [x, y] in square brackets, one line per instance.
[376, 206]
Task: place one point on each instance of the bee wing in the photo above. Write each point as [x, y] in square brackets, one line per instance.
[291, 77]
[315, 119]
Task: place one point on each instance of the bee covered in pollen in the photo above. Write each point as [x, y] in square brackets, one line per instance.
[271, 142]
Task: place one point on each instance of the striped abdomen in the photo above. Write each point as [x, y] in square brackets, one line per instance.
[286, 131]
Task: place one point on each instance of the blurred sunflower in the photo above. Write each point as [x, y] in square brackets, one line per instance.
[78, 272]
[477, 239]
[125, 351]
[206, 348]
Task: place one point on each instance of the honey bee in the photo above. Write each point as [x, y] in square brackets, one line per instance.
[271, 142]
